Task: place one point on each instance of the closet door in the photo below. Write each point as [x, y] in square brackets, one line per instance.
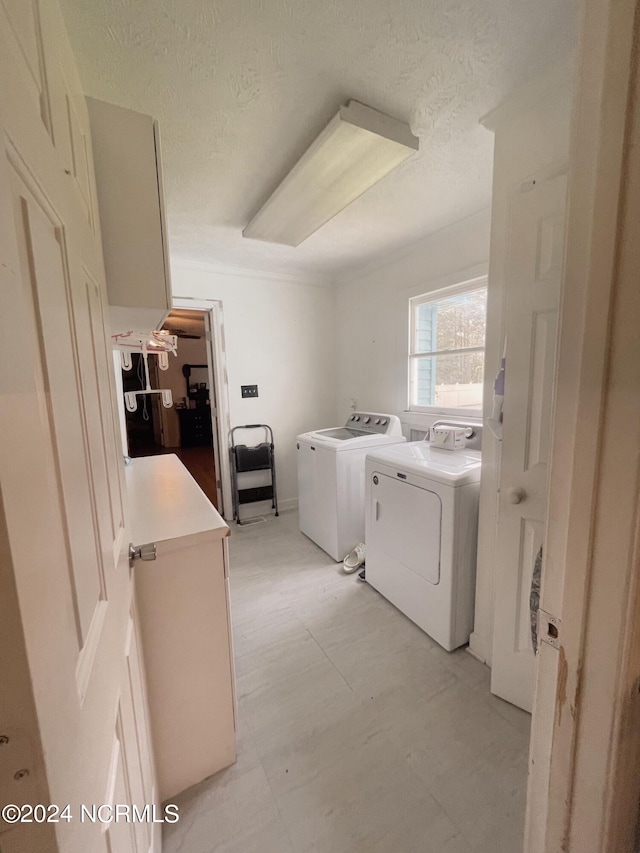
[536, 241]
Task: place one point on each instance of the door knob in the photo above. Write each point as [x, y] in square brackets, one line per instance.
[141, 552]
[516, 495]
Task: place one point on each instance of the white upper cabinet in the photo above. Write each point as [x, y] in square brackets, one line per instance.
[126, 147]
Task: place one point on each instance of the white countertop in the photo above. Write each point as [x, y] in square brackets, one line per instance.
[165, 502]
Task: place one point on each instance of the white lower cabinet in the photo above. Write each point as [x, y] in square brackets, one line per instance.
[185, 627]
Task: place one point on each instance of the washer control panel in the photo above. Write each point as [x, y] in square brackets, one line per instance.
[374, 423]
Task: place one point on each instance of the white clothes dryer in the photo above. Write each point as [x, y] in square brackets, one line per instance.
[421, 535]
[331, 478]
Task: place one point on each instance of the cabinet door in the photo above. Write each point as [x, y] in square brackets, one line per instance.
[131, 203]
[184, 621]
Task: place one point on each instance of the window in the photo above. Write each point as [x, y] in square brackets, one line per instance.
[446, 349]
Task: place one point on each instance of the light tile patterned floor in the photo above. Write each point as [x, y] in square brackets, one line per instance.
[357, 733]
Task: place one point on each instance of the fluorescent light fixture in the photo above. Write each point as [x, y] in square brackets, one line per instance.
[356, 149]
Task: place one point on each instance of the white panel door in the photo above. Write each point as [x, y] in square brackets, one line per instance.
[63, 529]
[536, 246]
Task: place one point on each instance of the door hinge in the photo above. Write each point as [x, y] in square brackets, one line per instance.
[145, 552]
[549, 629]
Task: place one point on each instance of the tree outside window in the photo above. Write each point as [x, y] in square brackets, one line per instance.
[446, 360]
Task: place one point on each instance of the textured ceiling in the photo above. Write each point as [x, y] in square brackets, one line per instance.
[242, 87]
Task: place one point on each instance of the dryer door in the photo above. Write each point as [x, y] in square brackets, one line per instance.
[406, 523]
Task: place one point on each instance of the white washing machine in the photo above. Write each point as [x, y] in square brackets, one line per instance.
[421, 535]
[331, 480]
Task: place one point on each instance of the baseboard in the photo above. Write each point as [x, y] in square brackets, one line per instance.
[264, 508]
[288, 504]
[477, 648]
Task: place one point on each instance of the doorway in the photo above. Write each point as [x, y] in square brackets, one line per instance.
[189, 428]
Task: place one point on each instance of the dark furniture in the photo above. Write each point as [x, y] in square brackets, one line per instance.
[195, 419]
[195, 427]
[198, 391]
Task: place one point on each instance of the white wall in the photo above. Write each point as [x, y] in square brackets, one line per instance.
[373, 313]
[280, 335]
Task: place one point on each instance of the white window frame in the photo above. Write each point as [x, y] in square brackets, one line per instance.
[479, 283]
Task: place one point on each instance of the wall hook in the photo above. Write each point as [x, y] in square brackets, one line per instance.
[131, 402]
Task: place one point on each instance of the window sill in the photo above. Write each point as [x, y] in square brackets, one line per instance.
[434, 412]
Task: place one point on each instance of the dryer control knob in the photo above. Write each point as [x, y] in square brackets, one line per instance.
[367, 419]
[377, 420]
[383, 421]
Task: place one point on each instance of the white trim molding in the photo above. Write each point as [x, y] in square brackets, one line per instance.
[218, 351]
[303, 279]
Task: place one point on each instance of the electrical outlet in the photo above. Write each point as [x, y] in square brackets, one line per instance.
[249, 390]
